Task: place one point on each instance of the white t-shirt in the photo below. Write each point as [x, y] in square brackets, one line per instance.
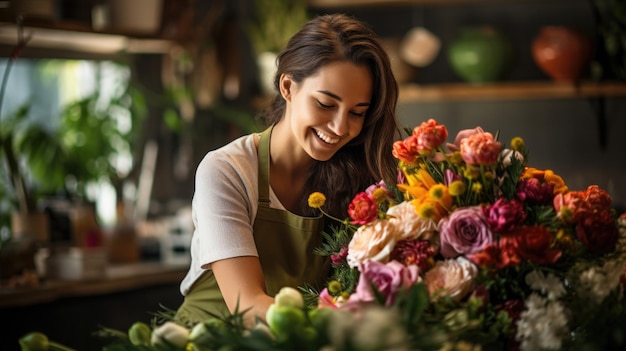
[224, 206]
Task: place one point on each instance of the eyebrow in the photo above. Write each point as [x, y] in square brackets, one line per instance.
[334, 96]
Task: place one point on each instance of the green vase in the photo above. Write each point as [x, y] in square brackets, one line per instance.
[480, 54]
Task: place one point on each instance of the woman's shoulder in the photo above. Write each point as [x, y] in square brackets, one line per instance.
[242, 149]
[239, 155]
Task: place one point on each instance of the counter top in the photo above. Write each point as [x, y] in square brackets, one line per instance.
[116, 278]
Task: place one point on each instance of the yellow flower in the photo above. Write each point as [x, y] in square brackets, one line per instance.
[518, 144]
[477, 188]
[317, 200]
[426, 210]
[556, 181]
[457, 188]
[471, 173]
[438, 191]
[379, 195]
[455, 158]
[334, 287]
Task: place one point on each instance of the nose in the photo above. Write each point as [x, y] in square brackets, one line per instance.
[339, 124]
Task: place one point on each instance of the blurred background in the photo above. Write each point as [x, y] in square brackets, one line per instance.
[107, 106]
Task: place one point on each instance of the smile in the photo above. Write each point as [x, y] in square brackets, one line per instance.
[326, 138]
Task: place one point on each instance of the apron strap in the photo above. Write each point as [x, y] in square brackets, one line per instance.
[264, 167]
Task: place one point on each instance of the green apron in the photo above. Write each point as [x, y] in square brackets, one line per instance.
[285, 243]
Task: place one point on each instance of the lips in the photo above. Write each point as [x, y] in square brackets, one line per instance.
[326, 138]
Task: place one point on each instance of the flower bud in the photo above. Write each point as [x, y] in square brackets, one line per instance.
[139, 333]
[34, 341]
[288, 296]
[171, 332]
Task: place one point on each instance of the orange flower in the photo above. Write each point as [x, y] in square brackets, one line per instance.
[480, 149]
[430, 135]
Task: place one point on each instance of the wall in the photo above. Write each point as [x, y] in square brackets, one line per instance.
[563, 134]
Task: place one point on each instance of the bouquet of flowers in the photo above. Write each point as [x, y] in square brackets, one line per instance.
[474, 247]
[471, 249]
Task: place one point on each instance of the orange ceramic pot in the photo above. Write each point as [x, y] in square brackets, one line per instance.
[562, 53]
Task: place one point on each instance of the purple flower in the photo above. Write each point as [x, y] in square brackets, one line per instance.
[340, 257]
[450, 176]
[504, 215]
[388, 279]
[464, 232]
[534, 191]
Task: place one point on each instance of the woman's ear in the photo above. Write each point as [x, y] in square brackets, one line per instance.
[285, 86]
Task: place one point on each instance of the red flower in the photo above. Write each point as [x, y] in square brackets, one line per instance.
[598, 199]
[362, 209]
[598, 233]
[534, 191]
[414, 252]
[534, 243]
[571, 207]
[406, 150]
[504, 215]
[497, 255]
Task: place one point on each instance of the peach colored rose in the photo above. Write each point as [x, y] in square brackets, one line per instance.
[373, 241]
[410, 225]
[451, 277]
[480, 149]
[430, 135]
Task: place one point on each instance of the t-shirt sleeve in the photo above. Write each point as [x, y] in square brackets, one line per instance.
[222, 208]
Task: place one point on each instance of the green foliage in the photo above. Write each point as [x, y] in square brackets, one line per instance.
[31, 156]
[275, 22]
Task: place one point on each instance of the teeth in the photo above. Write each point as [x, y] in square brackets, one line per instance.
[326, 138]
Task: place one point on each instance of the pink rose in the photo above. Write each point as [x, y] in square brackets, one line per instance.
[480, 149]
[451, 277]
[464, 232]
[388, 279]
[504, 215]
[363, 209]
[463, 134]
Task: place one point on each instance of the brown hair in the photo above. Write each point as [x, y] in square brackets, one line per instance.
[367, 158]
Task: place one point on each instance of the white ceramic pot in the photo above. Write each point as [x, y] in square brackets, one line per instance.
[420, 47]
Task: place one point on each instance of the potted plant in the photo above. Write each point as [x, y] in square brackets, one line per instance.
[26, 149]
[274, 23]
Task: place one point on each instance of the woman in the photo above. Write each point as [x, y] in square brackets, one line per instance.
[331, 129]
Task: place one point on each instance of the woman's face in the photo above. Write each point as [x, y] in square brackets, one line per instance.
[327, 110]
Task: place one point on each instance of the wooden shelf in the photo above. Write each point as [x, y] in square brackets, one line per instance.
[372, 3]
[509, 91]
[70, 40]
[117, 278]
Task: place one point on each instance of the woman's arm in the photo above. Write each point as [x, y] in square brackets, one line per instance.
[241, 282]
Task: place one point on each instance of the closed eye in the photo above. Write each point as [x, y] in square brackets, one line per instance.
[324, 106]
[358, 114]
